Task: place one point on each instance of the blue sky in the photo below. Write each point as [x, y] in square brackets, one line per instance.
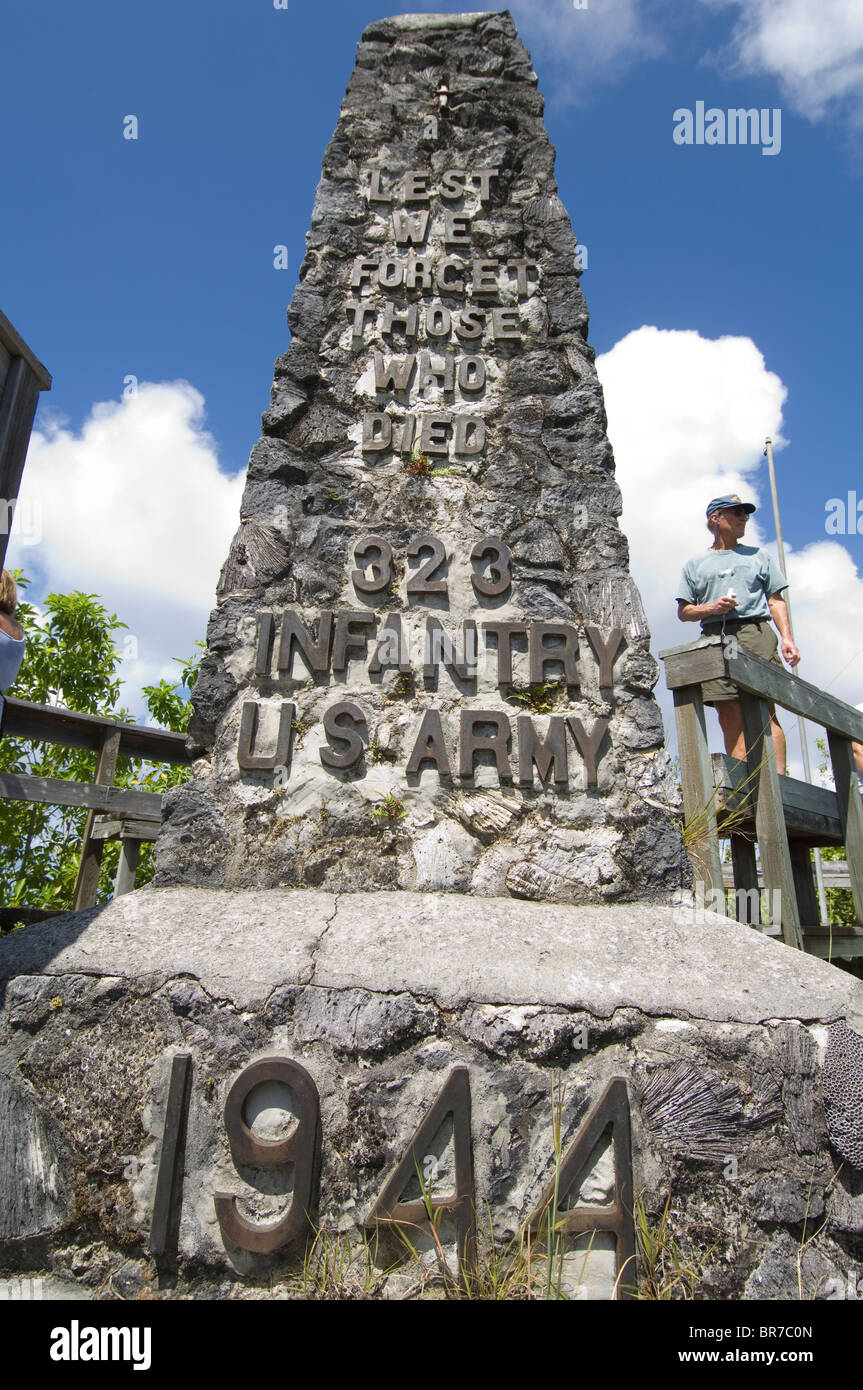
[154, 258]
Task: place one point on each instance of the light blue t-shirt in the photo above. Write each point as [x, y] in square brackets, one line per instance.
[11, 656]
[749, 571]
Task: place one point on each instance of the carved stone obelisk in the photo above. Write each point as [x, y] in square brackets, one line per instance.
[429, 667]
[428, 670]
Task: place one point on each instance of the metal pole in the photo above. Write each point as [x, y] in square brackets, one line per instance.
[807, 771]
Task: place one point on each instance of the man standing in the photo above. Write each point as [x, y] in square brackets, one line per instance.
[736, 589]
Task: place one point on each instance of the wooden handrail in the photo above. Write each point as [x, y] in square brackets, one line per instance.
[711, 660]
[110, 739]
[53, 724]
[787, 816]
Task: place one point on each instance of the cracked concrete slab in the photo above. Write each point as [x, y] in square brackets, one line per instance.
[239, 945]
[452, 949]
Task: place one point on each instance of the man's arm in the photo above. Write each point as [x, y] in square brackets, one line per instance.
[695, 612]
[779, 613]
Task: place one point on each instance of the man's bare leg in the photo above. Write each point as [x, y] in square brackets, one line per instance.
[731, 723]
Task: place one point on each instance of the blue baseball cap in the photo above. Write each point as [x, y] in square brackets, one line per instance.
[731, 500]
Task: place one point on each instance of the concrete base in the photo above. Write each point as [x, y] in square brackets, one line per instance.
[719, 1032]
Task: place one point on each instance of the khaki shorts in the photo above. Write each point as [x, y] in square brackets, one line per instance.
[758, 637]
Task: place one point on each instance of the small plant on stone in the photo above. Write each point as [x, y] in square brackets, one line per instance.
[664, 1271]
[377, 753]
[421, 466]
[390, 809]
[300, 728]
[398, 576]
[402, 687]
[338, 1267]
[736, 809]
[419, 463]
[540, 698]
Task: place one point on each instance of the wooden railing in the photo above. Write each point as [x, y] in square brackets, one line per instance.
[750, 802]
[122, 813]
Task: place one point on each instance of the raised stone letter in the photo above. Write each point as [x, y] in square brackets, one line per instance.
[314, 651]
[256, 762]
[588, 744]
[407, 319]
[485, 277]
[301, 1148]
[473, 742]
[395, 374]
[358, 313]
[542, 654]
[471, 374]
[419, 274]
[452, 185]
[484, 176]
[377, 431]
[430, 746]
[438, 321]
[390, 273]
[392, 649]
[347, 641]
[410, 227]
[406, 434]
[344, 734]
[457, 229]
[381, 567]
[468, 434]
[415, 186]
[444, 283]
[440, 650]
[422, 582]
[504, 632]
[376, 193]
[363, 270]
[433, 428]
[505, 325]
[492, 552]
[552, 749]
[521, 268]
[264, 648]
[605, 652]
[471, 324]
[429, 373]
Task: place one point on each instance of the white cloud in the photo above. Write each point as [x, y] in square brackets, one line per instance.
[827, 598]
[688, 417]
[814, 50]
[582, 47]
[135, 509]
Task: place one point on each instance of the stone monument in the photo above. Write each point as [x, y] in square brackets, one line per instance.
[423, 891]
[429, 666]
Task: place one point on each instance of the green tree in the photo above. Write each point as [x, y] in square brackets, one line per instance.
[840, 902]
[71, 659]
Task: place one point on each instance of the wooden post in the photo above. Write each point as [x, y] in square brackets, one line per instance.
[770, 816]
[699, 798]
[87, 882]
[127, 865]
[850, 813]
[745, 879]
[807, 898]
[22, 377]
